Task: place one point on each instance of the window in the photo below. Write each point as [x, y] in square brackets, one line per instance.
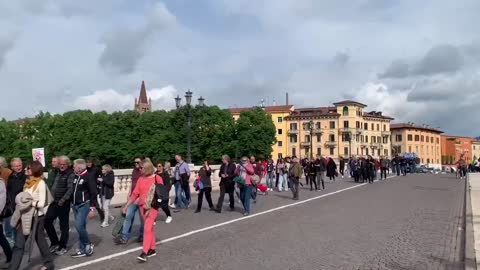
[431, 139]
[385, 140]
[366, 151]
[373, 126]
[293, 126]
[345, 124]
[384, 127]
[409, 149]
[378, 152]
[416, 149]
[345, 151]
[427, 138]
[361, 138]
[306, 126]
[374, 139]
[319, 138]
[318, 125]
[319, 151]
[385, 152]
[331, 152]
[331, 137]
[366, 139]
[345, 111]
[379, 139]
[357, 124]
[378, 127]
[280, 143]
[438, 140]
[280, 119]
[422, 139]
[398, 138]
[280, 131]
[410, 137]
[332, 124]
[294, 152]
[428, 160]
[417, 138]
[293, 138]
[307, 138]
[365, 126]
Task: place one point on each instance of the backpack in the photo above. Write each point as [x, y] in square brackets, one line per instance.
[157, 195]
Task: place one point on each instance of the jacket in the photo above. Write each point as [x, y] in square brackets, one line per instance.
[250, 172]
[143, 188]
[166, 179]
[136, 173]
[295, 171]
[62, 188]
[39, 197]
[229, 170]
[5, 174]
[107, 186]
[52, 174]
[205, 177]
[320, 165]
[311, 169]
[23, 212]
[84, 189]
[3, 196]
[383, 163]
[15, 184]
[331, 168]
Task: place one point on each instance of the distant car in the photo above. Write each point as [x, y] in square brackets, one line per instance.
[421, 169]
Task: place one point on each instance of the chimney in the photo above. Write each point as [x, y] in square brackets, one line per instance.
[286, 98]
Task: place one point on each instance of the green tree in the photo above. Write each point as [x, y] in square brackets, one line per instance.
[255, 134]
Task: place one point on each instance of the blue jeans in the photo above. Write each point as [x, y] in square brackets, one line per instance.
[7, 228]
[245, 195]
[282, 183]
[270, 177]
[128, 222]
[80, 212]
[180, 200]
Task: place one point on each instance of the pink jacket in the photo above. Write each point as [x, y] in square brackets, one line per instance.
[250, 173]
[142, 187]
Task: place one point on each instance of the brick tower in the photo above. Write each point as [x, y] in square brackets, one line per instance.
[143, 104]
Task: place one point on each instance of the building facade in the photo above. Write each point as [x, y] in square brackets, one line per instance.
[475, 150]
[278, 114]
[424, 141]
[341, 130]
[143, 103]
[454, 147]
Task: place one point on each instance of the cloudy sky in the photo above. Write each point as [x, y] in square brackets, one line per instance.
[415, 60]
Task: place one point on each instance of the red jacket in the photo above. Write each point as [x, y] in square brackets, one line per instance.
[250, 172]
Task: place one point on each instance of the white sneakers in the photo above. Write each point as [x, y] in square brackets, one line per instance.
[168, 220]
[104, 225]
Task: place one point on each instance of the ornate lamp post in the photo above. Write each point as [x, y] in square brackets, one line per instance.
[188, 100]
[310, 128]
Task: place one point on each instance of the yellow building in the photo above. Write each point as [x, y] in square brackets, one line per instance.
[341, 130]
[475, 149]
[278, 114]
[423, 140]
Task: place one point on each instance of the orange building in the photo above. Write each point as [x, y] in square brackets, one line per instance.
[453, 147]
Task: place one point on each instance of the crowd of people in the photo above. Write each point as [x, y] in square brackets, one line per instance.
[31, 205]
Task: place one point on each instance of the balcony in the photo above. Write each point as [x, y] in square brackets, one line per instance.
[375, 145]
[331, 144]
[292, 131]
[351, 130]
[317, 131]
[305, 144]
[386, 133]
[363, 145]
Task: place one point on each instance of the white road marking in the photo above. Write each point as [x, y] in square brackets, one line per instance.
[108, 257]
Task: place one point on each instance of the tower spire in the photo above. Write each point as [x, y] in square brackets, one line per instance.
[143, 94]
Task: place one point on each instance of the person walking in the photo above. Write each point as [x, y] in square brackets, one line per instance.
[84, 203]
[166, 181]
[245, 170]
[95, 173]
[3, 240]
[149, 214]
[32, 205]
[270, 170]
[294, 174]
[331, 169]
[182, 184]
[354, 166]
[122, 239]
[342, 166]
[15, 184]
[320, 168]
[107, 191]
[52, 173]
[205, 174]
[282, 173]
[312, 174]
[60, 207]
[383, 168]
[227, 173]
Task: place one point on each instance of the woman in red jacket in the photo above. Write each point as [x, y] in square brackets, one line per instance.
[140, 192]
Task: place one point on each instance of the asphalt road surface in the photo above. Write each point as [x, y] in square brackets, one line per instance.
[408, 222]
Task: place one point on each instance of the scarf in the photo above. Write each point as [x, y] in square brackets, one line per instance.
[31, 182]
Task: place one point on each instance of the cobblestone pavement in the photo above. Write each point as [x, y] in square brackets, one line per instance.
[403, 223]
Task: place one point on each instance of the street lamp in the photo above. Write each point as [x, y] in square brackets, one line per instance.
[310, 128]
[188, 100]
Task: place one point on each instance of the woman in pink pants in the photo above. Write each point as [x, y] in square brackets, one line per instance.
[140, 192]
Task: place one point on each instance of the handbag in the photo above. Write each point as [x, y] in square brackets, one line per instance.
[255, 179]
[198, 184]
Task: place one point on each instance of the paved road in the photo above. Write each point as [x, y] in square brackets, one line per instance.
[403, 223]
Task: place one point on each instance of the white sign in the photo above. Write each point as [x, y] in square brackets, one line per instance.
[38, 154]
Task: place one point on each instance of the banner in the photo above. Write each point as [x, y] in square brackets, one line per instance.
[38, 154]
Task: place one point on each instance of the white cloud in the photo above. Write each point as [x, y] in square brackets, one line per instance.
[111, 100]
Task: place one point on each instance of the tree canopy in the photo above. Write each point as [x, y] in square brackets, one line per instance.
[118, 138]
